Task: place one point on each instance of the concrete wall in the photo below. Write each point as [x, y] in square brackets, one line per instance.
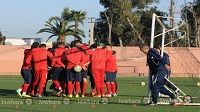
[184, 61]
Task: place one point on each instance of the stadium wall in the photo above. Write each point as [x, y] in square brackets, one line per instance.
[131, 62]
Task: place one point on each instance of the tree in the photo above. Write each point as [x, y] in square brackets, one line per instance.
[77, 17]
[109, 21]
[191, 13]
[59, 26]
[2, 39]
[121, 22]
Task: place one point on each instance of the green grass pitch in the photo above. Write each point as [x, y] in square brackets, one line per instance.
[130, 95]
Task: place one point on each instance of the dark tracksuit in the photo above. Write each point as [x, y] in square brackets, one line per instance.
[158, 73]
[167, 61]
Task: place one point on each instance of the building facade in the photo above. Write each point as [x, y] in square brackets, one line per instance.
[22, 41]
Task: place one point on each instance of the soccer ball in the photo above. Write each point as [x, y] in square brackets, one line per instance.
[77, 68]
[142, 83]
[198, 83]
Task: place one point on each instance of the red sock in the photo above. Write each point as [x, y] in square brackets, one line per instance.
[77, 84]
[113, 87]
[70, 87]
[34, 90]
[98, 89]
[25, 87]
[102, 90]
[40, 90]
[57, 84]
[108, 85]
[85, 84]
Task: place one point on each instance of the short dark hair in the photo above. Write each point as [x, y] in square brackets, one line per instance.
[61, 43]
[93, 46]
[143, 45]
[43, 45]
[114, 52]
[110, 45]
[54, 45]
[35, 45]
[77, 42]
[156, 47]
[72, 44]
[104, 47]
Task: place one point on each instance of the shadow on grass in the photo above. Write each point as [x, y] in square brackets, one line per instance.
[7, 92]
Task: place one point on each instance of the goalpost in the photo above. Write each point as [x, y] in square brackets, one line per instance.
[164, 31]
[156, 18]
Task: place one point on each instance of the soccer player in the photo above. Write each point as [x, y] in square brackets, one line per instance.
[111, 71]
[98, 63]
[158, 69]
[84, 72]
[26, 72]
[58, 66]
[50, 69]
[49, 74]
[165, 58]
[73, 57]
[39, 58]
[167, 61]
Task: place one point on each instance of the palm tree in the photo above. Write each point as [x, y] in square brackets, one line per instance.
[66, 14]
[77, 17]
[61, 28]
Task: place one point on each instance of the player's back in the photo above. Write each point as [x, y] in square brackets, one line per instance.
[155, 61]
[166, 58]
[27, 52]
[58, 56]
[111, 65]
[98, 58]
[73, 57]
[39, 57]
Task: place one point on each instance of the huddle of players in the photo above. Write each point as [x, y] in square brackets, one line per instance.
[98, 63]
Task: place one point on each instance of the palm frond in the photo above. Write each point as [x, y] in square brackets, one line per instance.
[50, 37]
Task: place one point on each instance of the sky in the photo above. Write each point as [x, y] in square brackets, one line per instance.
[23, 18]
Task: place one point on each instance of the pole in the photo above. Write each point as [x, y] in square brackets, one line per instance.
[153, 30]
[171, 14]
[163, 42]
[91, 31]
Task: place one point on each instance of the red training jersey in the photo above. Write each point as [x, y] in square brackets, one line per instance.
[87, 57]
[26, 54]
[39, 58]
[111, 64]
[73, 57]
[58, 57]
[99, 57]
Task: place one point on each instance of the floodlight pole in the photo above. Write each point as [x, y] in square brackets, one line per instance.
[152, 30]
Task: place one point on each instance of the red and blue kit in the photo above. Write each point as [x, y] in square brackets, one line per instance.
[39, 58]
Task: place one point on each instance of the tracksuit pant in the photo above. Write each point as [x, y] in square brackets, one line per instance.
[98, 75]
[157, 85]
[39, 80]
